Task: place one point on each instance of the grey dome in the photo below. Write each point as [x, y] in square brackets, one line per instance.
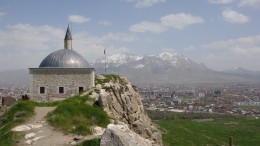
[64, 58]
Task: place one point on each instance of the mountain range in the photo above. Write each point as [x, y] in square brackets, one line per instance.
[168, 68]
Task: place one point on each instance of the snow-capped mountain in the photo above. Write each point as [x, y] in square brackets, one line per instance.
[116, 60]
[174, 58]
[135, 61]
[245, 73]
[238, 70]
[164, 68]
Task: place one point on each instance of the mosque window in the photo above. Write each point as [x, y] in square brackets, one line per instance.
[61, 89]
[81, 89]
[42, 90]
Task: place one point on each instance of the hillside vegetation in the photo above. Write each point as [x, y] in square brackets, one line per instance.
[17, 114]
[72, 115]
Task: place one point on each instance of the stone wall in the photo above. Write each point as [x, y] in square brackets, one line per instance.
[53, 78]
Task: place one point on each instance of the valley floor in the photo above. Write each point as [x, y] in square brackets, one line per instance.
[244, 131]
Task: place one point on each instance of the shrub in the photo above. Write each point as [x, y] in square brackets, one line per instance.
[92, 142]
[108, 78]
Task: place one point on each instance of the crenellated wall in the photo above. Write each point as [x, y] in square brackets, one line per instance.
[53, 78]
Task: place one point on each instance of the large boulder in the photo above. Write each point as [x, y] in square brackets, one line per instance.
[121, 135]
[8, 101]
[122, 102]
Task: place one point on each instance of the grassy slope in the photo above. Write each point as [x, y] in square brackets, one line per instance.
[245, 132]
[14, 116]
[73, 115]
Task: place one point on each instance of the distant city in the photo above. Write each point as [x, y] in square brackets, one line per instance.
[237, 99]
[228, 98]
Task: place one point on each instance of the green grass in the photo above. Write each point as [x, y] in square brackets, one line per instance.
[17, 114]
[92, 142]
[107, 78]
[245, 132]
[73, 115]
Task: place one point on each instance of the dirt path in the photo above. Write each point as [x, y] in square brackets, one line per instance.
[39, 133]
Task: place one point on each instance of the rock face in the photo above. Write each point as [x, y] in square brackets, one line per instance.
[121, 135]
[122, 102]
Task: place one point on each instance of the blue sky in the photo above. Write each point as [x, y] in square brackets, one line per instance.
[222, 34]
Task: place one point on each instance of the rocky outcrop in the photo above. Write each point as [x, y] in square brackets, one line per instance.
[121, 135]
[122, 102]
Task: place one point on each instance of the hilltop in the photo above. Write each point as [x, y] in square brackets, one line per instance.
[114, 104]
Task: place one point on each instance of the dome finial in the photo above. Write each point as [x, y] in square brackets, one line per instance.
[68, 35]
[68, 39]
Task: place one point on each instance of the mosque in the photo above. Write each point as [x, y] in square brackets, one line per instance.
[61, 74]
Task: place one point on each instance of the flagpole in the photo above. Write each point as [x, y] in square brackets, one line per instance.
[105, 61]
[71, 33]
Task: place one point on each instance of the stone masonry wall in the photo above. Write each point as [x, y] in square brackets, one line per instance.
[53, 78]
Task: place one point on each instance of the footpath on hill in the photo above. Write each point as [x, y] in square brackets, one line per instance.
[39, 133]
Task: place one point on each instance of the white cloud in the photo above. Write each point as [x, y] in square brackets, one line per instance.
[104, 23]
[25, 45]
[170, 50]
[30, 38]
[220, 1]
[177, 21]
[248, 44]
[234, 17]
[92, 47]
[2, 14]
[78, 19]
[118, 37]
[145, 26]
[250, 3]
[180, 20]
[225, 54]
[145, 3]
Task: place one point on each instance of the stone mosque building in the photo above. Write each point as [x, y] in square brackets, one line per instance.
[63, 73]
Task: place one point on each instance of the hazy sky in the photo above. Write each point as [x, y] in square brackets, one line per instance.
[222, 34]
